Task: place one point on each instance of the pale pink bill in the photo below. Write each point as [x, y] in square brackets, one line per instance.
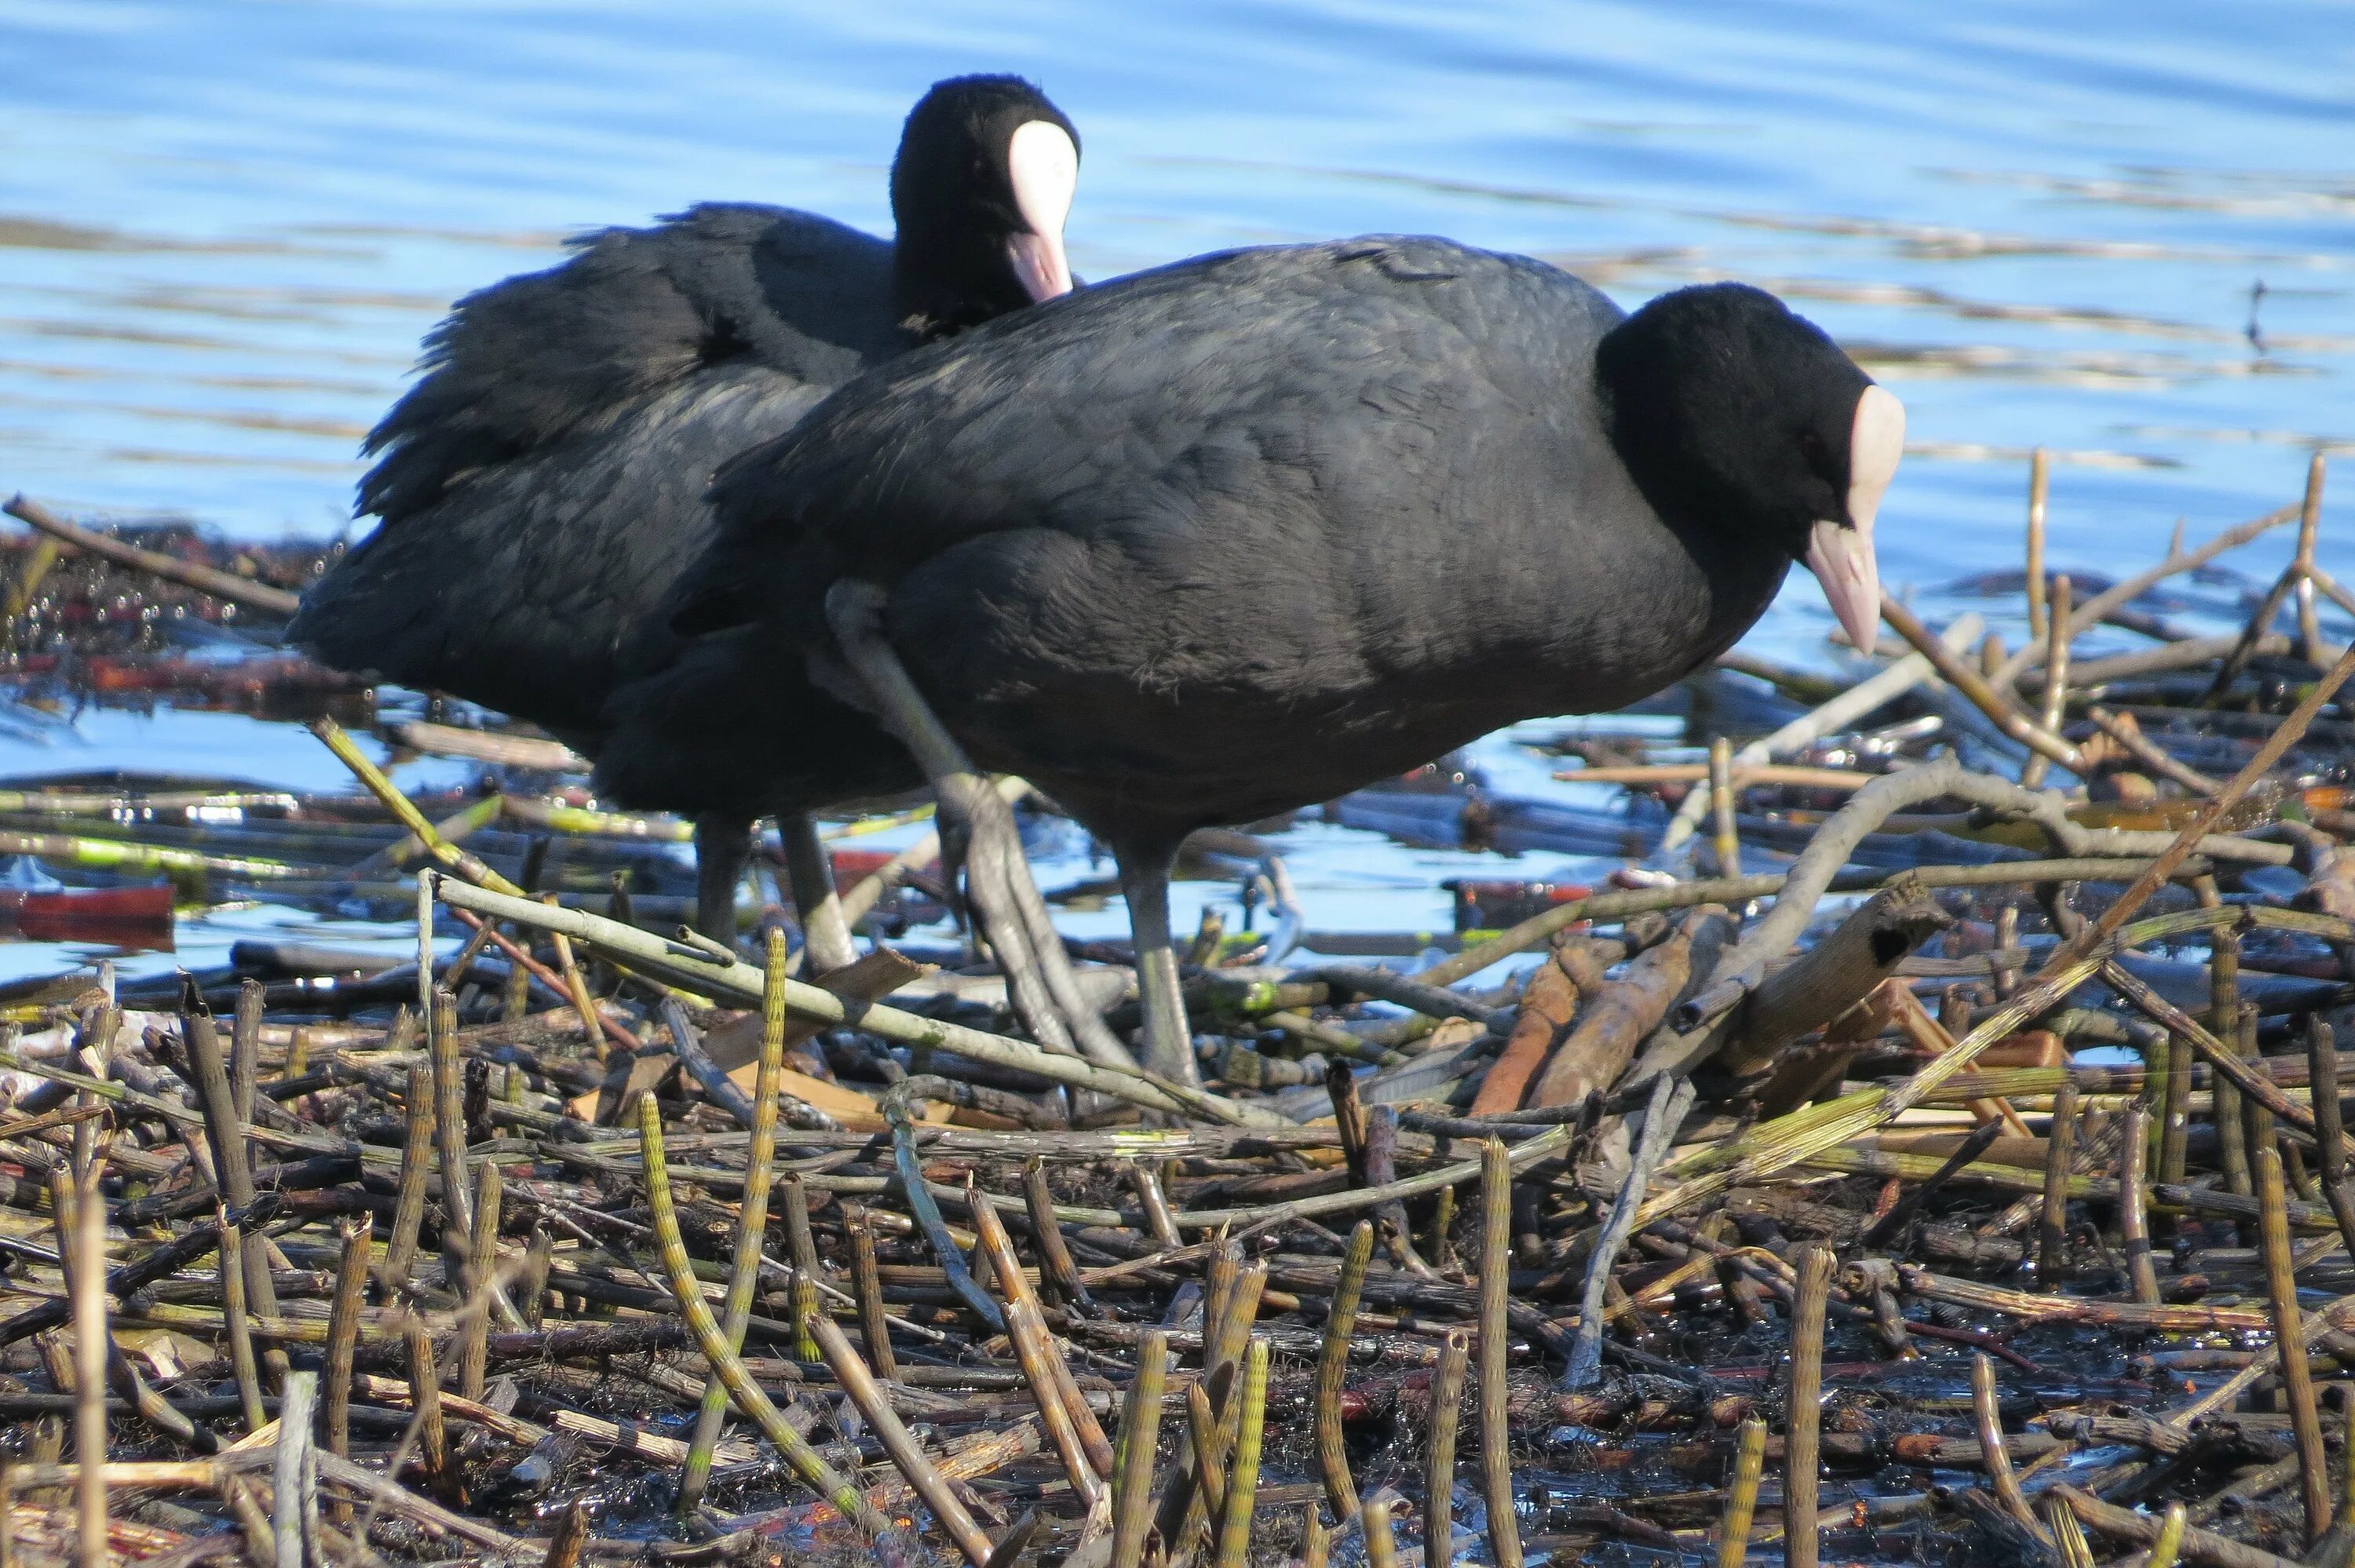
[1044, 165]
[1841, 553]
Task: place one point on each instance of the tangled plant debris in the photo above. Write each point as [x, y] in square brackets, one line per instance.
[2003, 1208]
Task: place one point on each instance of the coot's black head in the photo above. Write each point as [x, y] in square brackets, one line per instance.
[1737, 416]
[980, 188]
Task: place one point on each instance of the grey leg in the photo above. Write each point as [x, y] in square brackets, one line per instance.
[1168, 1040]
[1095, 1035]
[811, 873]
[1038, 972]
[722, 846]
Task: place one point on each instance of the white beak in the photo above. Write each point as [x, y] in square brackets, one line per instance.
[1044, 166]
[1841, 554]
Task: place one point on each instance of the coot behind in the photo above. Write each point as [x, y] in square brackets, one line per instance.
[542, 487]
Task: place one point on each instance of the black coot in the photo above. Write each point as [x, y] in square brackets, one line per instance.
[1246, 533]
[542, 487]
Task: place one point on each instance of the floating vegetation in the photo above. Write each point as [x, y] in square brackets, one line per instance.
[1933, 1148]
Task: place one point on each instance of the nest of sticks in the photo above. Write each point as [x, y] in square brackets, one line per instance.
[2003, 1207]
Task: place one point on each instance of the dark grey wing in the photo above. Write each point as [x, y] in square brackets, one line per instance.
[520, 587]
[1228, 485]
[522, 363]
[542, 485]
[1130, 417]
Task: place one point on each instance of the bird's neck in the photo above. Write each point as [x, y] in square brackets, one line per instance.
[942, 284]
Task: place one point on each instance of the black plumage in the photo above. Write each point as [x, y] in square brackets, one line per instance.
[1245, 533]
[542, 487]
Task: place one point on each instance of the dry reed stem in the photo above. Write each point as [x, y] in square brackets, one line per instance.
[205, 579]
[1209, 1452]
[2089, 614]
[801, 1250]
[2134, 1209]
[1727, 844]
[449, 1141]
[2289, 1339]
[1193, 1492]
[2330, 1135]
[425, 1398]
[2150, 756]
[1742, 1494]
[404, 811]
[2053, 1220]
[1987, 1415]
[1671, 1098]
[1158, 1221]
[858, 1383]
[2197, 1545]
[1034, 1349]
[482, 1282]
[874, 1324]
[2068, 1539]
[232, 1159]
[2040, 466]
[1243, 1475]
[1741, 776]
[572, 1533]
[234, 1322]
[1218, 1274]
[1140, 1432]
[647, 954]
[2234, 1070]
[81, 1215]
[290, 1523]
[1439, 1456]
[1315, 1540]
[2310, 522]
[2175, 1110]
[1801, 1445]
[751, 1224]
[1057, 1271]
[2056, 680]
[1495, 1427]
[2277, 745]
[1975, 690]
[417, 1154]
[806, 1462]
[1827, 717]
[1332, 1362]
[1381, 1544]
[344, 1331]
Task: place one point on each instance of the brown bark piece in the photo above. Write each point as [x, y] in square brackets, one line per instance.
[1615, 1022]
[1835, 974]
[1548, 1001]
[1807, 1072]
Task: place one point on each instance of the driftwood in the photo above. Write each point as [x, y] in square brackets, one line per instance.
[1804, 1073]
[1215, 1214]
[1624, 1010]
[1834, 975]
[1573, 968]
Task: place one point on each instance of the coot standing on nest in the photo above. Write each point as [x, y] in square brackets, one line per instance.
[1245, 533]
[542, 487]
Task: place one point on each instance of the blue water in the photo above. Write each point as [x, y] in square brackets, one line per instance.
[224, 228]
